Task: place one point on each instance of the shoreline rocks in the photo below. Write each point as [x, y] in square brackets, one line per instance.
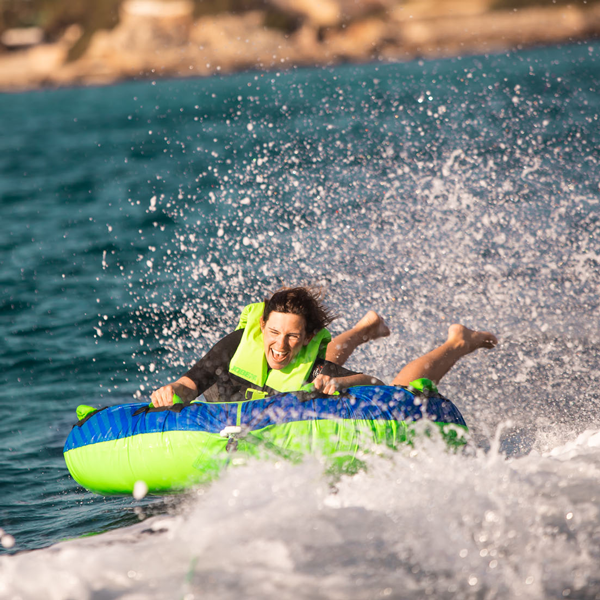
[156, 38]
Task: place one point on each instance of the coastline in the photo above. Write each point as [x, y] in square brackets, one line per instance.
[156, 39]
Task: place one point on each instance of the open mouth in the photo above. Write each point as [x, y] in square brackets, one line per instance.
[279, 357]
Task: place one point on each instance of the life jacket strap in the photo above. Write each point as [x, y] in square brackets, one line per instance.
[252, 394]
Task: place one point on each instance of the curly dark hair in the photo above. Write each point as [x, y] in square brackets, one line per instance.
[304, 301]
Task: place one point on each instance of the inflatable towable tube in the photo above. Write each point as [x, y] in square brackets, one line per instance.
[176, 447]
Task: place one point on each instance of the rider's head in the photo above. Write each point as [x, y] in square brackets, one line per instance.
[290, 319]
[304, 301]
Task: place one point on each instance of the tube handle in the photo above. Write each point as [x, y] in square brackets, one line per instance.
[176, 400]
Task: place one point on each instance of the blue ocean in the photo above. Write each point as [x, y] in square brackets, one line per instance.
[136, 222]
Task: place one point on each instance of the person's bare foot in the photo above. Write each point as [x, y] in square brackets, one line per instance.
[470, 340]
[372, 326]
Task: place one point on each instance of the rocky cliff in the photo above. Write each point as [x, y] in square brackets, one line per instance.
[155, 38]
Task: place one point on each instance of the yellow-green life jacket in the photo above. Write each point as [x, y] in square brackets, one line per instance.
[250, 363]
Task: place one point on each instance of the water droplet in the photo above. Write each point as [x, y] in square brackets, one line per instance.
[140, 489]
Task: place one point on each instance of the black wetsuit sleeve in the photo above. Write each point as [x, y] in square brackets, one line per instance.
[207, 371]
[324, 367]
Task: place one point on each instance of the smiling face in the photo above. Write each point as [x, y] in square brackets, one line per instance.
[284, 335]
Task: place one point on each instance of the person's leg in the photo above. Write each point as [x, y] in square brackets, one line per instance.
[370, 327]
[435, 364]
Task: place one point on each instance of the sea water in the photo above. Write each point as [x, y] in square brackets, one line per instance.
[137, 220]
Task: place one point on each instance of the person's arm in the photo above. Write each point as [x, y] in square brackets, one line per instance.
[328, 377]
[329, 385]
[184, 387]
[203, 374]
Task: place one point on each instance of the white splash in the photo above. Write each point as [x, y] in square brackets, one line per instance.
[419, 522]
